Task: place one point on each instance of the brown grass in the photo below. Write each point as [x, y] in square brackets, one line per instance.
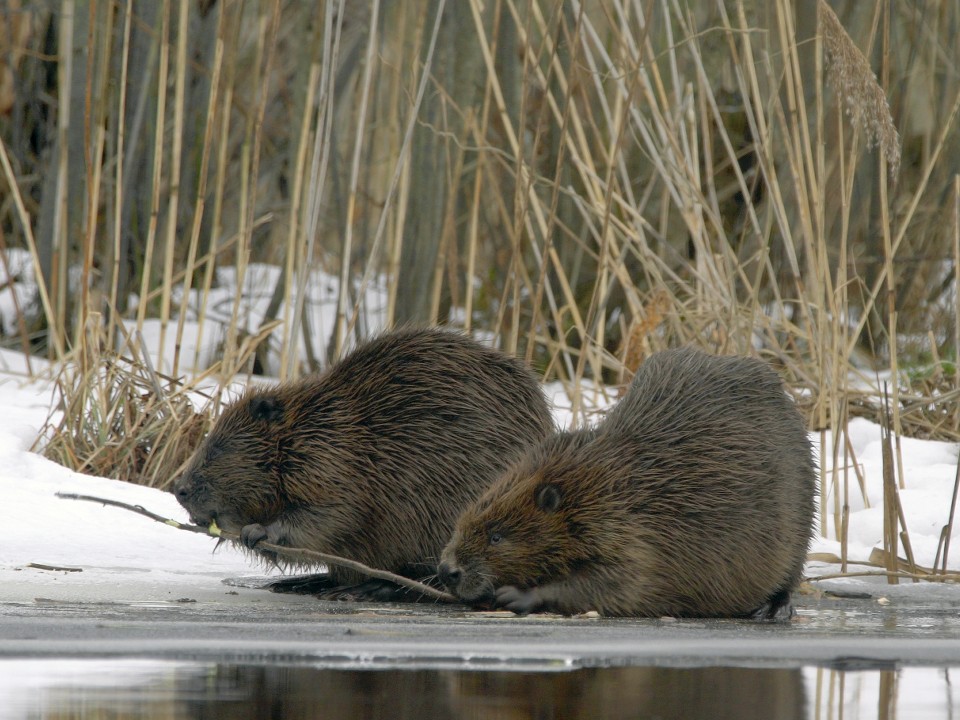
[584, 183]
[849, 73]
[117, 417]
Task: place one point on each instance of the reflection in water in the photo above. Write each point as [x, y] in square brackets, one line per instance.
[630, 692]
[908, 694]
[121, 689]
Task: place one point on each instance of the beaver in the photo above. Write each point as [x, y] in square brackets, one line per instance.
[694, 496]
[373, 459]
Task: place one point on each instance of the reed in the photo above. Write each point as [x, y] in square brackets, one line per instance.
[582, 183]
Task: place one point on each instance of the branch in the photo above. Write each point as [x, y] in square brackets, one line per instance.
[324, 558]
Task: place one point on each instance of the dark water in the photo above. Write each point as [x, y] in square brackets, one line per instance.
[150, 689]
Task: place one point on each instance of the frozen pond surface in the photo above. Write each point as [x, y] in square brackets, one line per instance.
[237, 622]
[244, 652]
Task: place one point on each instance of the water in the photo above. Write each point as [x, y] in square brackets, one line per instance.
[105, 688]
[269, 656]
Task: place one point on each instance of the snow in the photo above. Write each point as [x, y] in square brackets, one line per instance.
[929, 472]
[120, 554]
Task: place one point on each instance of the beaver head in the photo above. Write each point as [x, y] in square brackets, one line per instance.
[535, 524]
[234, 476]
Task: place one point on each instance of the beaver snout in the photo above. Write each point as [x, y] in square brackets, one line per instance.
[449, 575]
[188, 493]
[467, 584]
[183, 489]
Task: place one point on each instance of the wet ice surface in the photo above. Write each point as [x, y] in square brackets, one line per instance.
[250, 625]
[242, 655]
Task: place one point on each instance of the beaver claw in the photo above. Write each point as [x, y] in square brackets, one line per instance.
[522, 602]
[251, 534]
[777, 608]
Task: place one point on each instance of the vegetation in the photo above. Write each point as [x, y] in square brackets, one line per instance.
[584, 182]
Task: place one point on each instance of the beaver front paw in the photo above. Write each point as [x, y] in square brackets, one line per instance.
[252, 534]
[522, 602]
[777, 608]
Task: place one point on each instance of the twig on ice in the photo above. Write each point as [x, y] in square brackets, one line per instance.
[324, 558]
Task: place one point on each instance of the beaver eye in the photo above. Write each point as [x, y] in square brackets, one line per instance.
[496, 538]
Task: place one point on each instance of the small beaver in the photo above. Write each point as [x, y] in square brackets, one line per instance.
[372, 460]
[693, 497]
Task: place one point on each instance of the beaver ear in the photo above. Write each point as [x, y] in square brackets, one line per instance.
[267, 408]
[547, 498]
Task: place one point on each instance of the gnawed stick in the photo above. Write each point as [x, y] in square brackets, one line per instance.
[324, 558]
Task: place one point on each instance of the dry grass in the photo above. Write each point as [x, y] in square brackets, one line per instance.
[117, 417]
[848, 71]
[583, 182]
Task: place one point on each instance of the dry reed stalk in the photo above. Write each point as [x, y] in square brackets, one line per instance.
[605, 193]
[173, 199]
[617, 122]
[907, 215]
[946, 535]
[58, 274]
[268, 24]
[849, 72]
[293, 255]
[895, 525]
[843, 531]
[323, 147]
[347, 251]
[56, 338]
[160, 124]
[95, 131]
[447, 230]
[473, 226]
[199, 200]
[401, 170]
[229, 53]
[530, 215]
[118, 193]
[120, 418]
[834, 363]
[401, 182]
[591, 328]
[956, 279]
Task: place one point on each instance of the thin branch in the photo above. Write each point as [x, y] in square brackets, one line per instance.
[950, 576]
[324, 558]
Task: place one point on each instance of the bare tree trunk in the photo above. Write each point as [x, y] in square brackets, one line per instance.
[458, 69]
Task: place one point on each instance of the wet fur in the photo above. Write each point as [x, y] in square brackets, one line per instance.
[693, 497]
[374, 459]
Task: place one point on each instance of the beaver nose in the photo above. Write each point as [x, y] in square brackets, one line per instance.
[183, 488]
[449, 575]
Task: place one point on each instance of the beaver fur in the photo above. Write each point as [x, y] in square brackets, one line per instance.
[693, 497]
[372, 460]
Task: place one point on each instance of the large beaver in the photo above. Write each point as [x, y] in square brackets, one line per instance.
[372, 460]
[693, 497]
